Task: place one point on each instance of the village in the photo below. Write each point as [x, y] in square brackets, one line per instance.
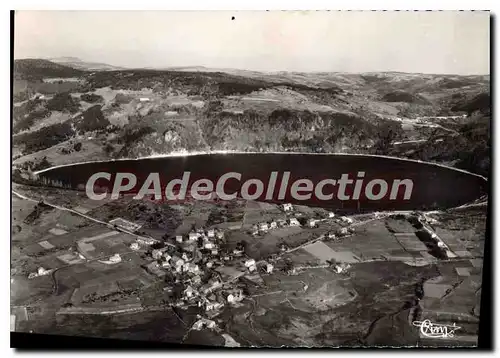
[198, 271]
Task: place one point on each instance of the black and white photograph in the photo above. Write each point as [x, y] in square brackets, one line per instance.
[250, 179]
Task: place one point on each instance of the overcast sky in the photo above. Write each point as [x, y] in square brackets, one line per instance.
[426, 42]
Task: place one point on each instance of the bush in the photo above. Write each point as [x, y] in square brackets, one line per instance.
[386, 135]
[92, 120]
[108, 148]
[91, 97]
[77, 146]
[121, 98]
[63, 102]
[132, 135]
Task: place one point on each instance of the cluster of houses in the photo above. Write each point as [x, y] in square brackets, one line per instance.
[209, 238]
[202, 323]
[274, 224]
[197, 254]
[199, 261]
[264, 227]
[40, 272]
[212, 301]
[341, 268]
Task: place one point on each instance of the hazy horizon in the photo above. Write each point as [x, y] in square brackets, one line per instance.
[446, 42]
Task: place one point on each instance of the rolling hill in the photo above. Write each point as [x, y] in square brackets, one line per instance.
[37, 69]
[144, 112]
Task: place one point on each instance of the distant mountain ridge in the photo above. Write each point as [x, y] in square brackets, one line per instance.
[79, 64]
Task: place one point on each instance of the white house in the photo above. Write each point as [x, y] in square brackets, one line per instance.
[346, 219]
[193, 236]
[178, 238]
[134, 246]
[341, 268]
[144, 99]
[269, 268]
[331, 235]
[331, 215]
[273, 225]
[313, 222]
[212, 305]
[189, 292]
[249, 262]
[43, 272]
[209, 245]
[287, 207]
[234, 296]
[115, 258]
[263, 227]
[171, 113]
[294, 222]
[211, 233]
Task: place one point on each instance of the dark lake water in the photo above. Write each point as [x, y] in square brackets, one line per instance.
[433, 186]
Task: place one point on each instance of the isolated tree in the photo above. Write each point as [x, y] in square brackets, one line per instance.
[386, 136]
[157, 245]
[77, 146]
[288, 265]
[331, 262]
[242, 245]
